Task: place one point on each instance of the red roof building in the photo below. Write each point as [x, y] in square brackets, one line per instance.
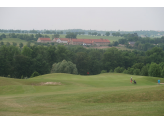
[90, 41]
[97, 42]
[61, 40]
[44, 40]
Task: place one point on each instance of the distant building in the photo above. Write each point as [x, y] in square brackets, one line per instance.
[143, 36]
[61, 40]
[44, 40]
[101, 41]
[97, 42]
[132, 43]
[84, 42]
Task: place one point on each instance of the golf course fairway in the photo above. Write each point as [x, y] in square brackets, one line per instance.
[59, 94]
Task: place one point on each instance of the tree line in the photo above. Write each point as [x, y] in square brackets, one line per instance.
[16, 62]
[146, 33]
[27, 37]
[143, 44]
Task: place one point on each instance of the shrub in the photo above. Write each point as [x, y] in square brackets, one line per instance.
[22, 77]
[130, 70]
[35, 74]
[104, 71]
[125, 71]
[136, 72]
[64, 67]
[119, 69]
[111, 71]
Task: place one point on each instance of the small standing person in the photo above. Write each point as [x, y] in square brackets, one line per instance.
[158, 81]
[131, 80]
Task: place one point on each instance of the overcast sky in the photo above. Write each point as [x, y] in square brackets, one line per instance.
[94, 18]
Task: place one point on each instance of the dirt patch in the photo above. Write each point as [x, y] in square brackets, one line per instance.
[50, 83]
[161, 83]
[47, 83]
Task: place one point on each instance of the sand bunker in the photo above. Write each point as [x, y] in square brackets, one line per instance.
[50, 83]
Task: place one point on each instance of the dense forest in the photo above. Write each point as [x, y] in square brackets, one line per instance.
[16, 62]
[146, 59]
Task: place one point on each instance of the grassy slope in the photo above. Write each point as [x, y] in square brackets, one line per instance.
[104, 94]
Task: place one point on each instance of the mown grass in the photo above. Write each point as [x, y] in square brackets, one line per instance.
[109, 94]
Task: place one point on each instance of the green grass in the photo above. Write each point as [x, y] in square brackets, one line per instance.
[16, 40]
[110, 38]
[109, 94]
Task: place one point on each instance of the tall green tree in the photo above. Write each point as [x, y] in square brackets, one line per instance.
[162, 65]
[64, 67]
[94, 67]
[28, 44]
[61, 53]
[14, 44]
[136, 71]
[82, 63]
[112, 58]
[145, 69]
[41, 65]
[26, 51]
[119, 69]
[21, 45]
[38, 36]
[107, 33]
[98, 34]
[154, 70]
[2, 43]
[130, 70]
[115, 43]
[7, 44]
[3, 36]
[55, 36]
[162, 73]
[71, 35]
[6, 59]
[51, 55]
[22, 66]
[138, 66]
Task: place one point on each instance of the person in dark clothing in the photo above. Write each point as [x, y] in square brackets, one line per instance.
[134, 82]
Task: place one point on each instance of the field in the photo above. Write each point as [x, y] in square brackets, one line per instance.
[110, 38]
[16, 40]
[109, 94]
